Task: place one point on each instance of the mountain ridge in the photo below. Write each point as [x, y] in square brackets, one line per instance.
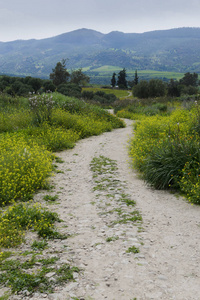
[176, 49]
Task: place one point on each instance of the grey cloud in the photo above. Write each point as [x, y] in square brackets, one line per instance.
[44, 18]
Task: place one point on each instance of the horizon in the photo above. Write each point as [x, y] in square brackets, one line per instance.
[25, 20]
[90, 29]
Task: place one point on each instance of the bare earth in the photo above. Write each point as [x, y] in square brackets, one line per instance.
[168, 264]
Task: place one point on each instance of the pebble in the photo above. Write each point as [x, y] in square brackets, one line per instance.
[162, 277]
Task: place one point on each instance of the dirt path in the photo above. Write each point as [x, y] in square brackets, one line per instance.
[168, 264]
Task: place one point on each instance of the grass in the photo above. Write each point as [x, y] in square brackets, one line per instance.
[143, 74]
[21, 217]
[50, 198]
[112, 239]
[116, 92]
[39, 245]
[133, 249]
[105, 178]
[27, 276]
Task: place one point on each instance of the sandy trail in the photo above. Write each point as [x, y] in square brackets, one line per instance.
[168, 264]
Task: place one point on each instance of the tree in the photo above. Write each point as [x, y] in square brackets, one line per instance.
[134, 82]
[60, 74]
[122, 82]
[49, 86]
[35, 83]
[70, 89]
[136, 79]
[190, 79]
[141, 90]
[173, 88]
[78, 77]
[152, 88]
[113, 80]
[157, 88]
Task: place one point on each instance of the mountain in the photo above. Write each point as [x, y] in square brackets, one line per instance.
[175, 50]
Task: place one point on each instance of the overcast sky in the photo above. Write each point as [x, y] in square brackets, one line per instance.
[26, 19]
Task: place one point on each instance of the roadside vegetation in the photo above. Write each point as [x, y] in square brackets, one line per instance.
[165, 147]
[31, 130]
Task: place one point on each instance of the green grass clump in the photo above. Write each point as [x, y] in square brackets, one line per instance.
[112, 239]
[50, 198]
[14, 275]
[133, 249]
[39, 245]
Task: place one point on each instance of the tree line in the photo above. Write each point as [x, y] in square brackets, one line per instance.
[156, 87]
[188, 85]
[60, 79]
[70, 84]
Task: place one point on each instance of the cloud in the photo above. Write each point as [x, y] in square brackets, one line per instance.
[43, 18]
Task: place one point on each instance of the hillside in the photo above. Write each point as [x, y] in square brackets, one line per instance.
[176, 50]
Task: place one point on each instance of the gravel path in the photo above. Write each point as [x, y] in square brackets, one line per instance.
[168, 263]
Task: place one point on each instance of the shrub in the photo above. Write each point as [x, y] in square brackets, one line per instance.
[41, 106]
[24, 167]
[87, 95]
[166, 151]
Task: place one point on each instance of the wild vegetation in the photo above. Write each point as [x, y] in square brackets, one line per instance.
[31, 129]
[165, 147]
[165, 150]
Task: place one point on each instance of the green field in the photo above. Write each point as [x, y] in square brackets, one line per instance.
[117, 93]
[103, 74]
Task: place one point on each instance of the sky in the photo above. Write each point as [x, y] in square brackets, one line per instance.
[37, 19]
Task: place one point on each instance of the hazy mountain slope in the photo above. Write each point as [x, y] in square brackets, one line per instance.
[167, 50]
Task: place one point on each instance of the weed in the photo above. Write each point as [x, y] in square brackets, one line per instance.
[39, 245]
[50, 198]
[13, 274]
[59, 160]
[112, 238]
[21, 217]
[133, 249]
[48, 261]
[6, 296]
[105, 171]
